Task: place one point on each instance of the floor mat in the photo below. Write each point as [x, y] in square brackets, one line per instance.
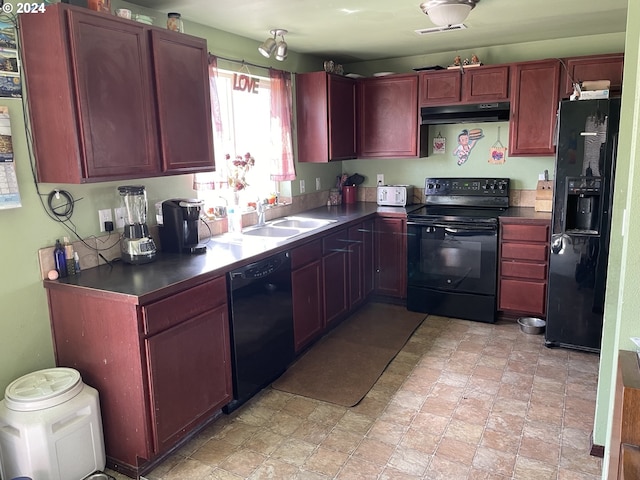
[343, 366]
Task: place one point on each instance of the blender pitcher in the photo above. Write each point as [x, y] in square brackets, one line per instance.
[136, 245]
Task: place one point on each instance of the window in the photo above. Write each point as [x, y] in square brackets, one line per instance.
[245, 111]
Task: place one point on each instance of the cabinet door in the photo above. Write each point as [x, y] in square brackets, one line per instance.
[440, 88]
[523, 268]
[336, 296]
[388, 117]
[116, 108]
[189, 374]
[308, 304]
[523, 296]
[180, 64]
[391, 257]
[342, 118]
[485, 84]
[368, 254]
[356, 266]
[335, 275]
[593, 67]
[312, 117]
[534, 105]
[325, 115]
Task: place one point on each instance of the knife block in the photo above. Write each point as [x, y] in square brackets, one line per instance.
[544, 196]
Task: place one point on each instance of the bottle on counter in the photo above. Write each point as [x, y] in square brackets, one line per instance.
[68, 255]
[76, 261]
[60, 259]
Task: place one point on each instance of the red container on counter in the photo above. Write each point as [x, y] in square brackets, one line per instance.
[349, 194]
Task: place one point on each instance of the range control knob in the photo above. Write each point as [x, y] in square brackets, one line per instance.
[429, 186]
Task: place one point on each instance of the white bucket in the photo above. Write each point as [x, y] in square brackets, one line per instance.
[50, 427]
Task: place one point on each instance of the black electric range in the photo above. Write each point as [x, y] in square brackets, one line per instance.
[452, 248]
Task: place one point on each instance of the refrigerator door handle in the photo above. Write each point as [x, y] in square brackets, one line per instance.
[558, 243]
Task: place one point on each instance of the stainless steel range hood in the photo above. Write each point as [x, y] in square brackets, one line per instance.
[479, 112]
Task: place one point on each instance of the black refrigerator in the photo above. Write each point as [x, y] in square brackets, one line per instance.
[582, 203]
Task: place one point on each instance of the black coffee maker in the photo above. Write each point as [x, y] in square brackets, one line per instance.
[179, 229]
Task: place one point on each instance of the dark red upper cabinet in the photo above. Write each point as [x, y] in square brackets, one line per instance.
[485, 84]
[534, 105]
[96, 105]
[326, 117]
[475, 85]
[593, 67]
[388, 117]
[440, 87]
[180, 65]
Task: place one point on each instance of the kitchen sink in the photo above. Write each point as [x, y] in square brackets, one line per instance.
[272, 231]
[286, 227]
[304, 223]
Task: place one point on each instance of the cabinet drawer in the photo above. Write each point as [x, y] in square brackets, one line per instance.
[525, 251]
[177, 308]
[338, 241]
[532, 271]
[306, 254]
[523, 297]
[528, 233]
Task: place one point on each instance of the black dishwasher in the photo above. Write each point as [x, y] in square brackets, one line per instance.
[261, 317]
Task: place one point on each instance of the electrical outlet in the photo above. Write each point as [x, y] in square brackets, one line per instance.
[119, 217]
[301, 186]
[380, 179]
[104, 216]
[318, 186]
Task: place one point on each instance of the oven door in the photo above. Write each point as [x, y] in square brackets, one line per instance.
[452, 268]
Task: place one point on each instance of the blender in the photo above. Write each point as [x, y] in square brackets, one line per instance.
[136, 245]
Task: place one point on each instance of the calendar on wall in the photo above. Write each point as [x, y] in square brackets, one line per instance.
[9, 193]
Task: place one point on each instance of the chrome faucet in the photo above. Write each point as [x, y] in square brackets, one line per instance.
[260, 209]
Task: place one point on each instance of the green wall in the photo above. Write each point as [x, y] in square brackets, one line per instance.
[622, 301]
[25, 341]
[522, 170]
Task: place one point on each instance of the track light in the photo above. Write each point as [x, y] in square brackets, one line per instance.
[270, 45]
[267, 47]
[281, 51]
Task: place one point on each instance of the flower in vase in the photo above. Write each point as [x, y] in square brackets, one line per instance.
[238, 169]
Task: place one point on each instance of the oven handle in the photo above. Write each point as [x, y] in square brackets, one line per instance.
[456, 227]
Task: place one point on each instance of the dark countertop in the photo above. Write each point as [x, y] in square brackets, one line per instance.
[172, 272]
[525, 213]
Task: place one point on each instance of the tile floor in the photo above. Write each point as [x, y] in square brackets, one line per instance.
[462, 400]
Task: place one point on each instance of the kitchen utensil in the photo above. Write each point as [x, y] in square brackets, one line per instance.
[349, 194]
[136, 244]
[355, 179]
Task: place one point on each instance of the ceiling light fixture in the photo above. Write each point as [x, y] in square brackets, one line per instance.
[270, 45]
[448, 12]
